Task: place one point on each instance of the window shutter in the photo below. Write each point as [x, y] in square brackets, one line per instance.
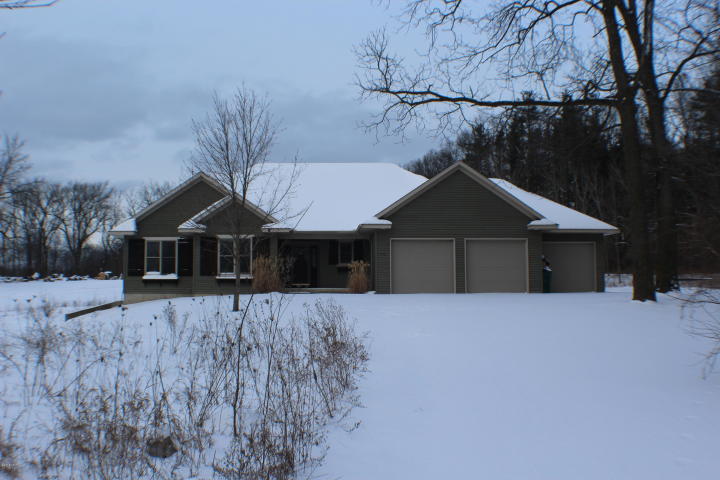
[185, 257]
[136, 257]
[333, 252]
[208, 256]
[361, 249]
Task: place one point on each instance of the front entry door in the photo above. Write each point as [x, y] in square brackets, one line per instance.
[304, 271]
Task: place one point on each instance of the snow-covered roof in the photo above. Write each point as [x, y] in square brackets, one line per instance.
[196, 222]
[313, 196]
[124, 228]
[341, 196]
[554, 213]
[191, 225]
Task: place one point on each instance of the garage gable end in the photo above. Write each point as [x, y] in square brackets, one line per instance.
[451, 174]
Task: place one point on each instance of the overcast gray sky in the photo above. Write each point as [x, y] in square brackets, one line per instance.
[107, 89]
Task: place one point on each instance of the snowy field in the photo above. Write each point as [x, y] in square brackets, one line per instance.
[502, 386]
[72, 293]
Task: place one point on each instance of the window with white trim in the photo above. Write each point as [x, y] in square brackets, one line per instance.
[161, 256]
[226, 259]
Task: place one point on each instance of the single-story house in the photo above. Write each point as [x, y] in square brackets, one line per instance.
[458, 232]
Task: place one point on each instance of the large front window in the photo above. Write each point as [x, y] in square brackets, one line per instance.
[160, 256]
[226, 259]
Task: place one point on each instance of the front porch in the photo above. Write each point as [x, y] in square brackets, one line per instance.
[321, 265]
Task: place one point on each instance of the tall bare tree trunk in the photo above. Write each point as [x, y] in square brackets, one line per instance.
[643, 287]
[236, 269]
[640, 31]
[666, 249]
[76, 260]
[666, 254]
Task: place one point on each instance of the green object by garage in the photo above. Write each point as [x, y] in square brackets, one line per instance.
[547, 280]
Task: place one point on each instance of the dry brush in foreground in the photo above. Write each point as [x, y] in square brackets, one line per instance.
[238, 395]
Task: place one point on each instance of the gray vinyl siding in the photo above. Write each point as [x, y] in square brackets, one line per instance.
[218, 225]
[459, 208]
[134, 285]
[165, 221]
[597, 238]
[181, 286]
[209, 285]
[329, 276]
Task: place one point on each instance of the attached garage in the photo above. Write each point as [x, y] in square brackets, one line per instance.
[422, 265]
[573, 266]
[496, 265]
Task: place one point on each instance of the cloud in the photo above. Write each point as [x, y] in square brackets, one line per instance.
[67, 91]
[326, 128]
[95, 104]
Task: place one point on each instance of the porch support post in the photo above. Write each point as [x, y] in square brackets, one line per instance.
[196, 264]
[124, 263]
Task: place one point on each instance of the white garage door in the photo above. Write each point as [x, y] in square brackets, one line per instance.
[573, 266]
[496, 265]
[422, 266]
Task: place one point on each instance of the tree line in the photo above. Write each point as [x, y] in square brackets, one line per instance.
[46, 227]
[49, 227]
[573, 156]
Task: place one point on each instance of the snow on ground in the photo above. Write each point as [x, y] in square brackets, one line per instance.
[73, 293]
[513, 386]
[560, 386]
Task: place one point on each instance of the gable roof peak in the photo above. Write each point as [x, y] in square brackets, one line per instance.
[474, 175]
[195, 223]
[129, 226]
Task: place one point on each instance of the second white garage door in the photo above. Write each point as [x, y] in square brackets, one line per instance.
[496, 265]
[422, 266]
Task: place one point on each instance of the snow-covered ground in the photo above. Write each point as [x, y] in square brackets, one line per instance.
[71, 293]
[561, 386]
[506, 386]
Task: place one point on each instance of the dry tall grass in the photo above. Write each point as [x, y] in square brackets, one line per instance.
[358, 279]
[8, 462]
[269, 274]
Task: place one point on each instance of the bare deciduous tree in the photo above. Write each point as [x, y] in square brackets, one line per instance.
[86, 209]
[13, 165]
[39, 209]
[233, 143]
[137, 199]
[609, 61]
[702, 309]
[434, 162]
